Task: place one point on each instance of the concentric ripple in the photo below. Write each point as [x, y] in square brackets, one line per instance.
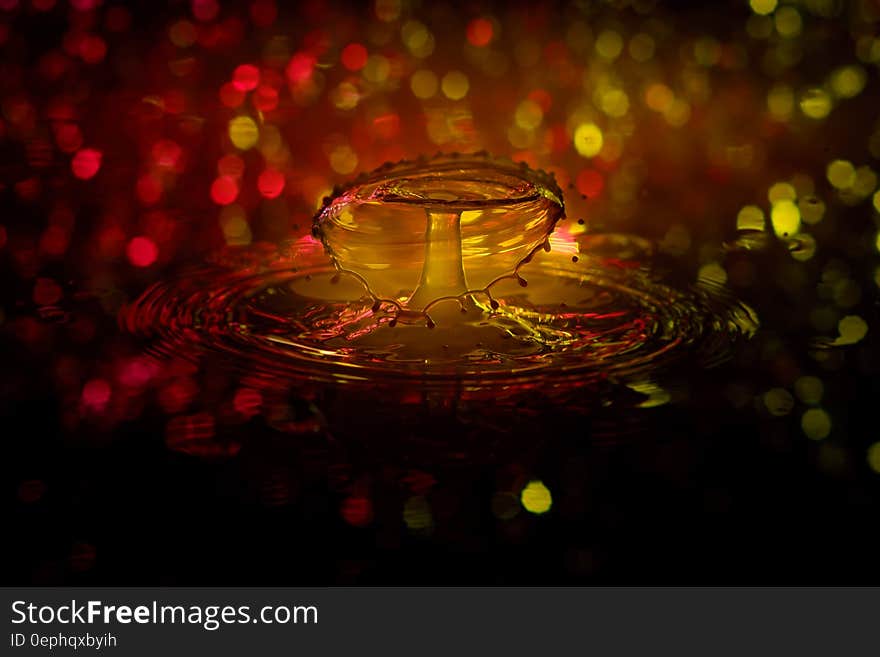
[586, 314]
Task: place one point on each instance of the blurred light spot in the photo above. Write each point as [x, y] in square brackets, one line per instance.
[641, 47]
[357, 510]
[528, 115]
[300, 67]
[590, 183]
[243, 132]
[233, 223]
[536, 498]
[224, 190]
[848, 81]
[480, 32]
[455, 85]
[812, 209]
[417, 513]
[788, 22]
[354, 56]
[809, 389]
[230, 165]
[778, 401]
[614, 103]
[424, 84]
[816, 423]
[270, 183]
[763, 7]
[85, 163]
[142, 251]
[659, 97]
[786, 218]
[182, 33]
[852, 329]
[609, 44]
[246, 77]
[247, 402]
[751, 217]
[841, 174]
[781, 191]
[588, 139]
[780, 102]
[343, 159]
[231, 96]
[377, 68]
[874, 457]
[96, 394]
[388, 10]
[46, 292]
[417, 38]
[816, 103]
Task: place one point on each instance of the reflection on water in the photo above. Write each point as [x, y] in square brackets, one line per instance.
[584, 317]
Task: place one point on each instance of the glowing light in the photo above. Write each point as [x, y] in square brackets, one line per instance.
[781, 191]
[841, 174]
[300, 67]
[877, 200]
[96, 394]
[246, 77]
[809, 389]
[614, 103]
[763, 7]
[424, 84]
[231, 96]
[852, 329]
[142, 251]
[816, 103]
[148, 189]
[590, 183]
[387, 10]
[528, 115]
[641, 47]
[455, 85]
[271, 183]
[588, 139]
[659, 97]
[243, 132]
[536, 498]
[788, 22]
[182, 34]
[751, 217]
[224, 190]
[786, 218]
[609, 44]
[417, 38]
[480, 32]
[86, 163]
[874, 457]
[354, 57]
[47, 292]
[816, 423]
[233, 223]
[357, 511]
[812, 209]
[377, 68]
[780, 102]
[848, 81]
[343, 159]
[417, 513]
[778, 401]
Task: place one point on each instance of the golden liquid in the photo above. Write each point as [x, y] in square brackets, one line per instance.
[419, 234]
